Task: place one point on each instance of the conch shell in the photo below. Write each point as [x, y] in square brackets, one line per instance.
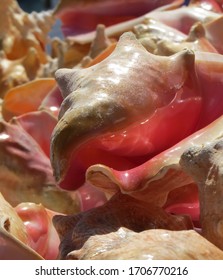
[42, 236]
[204, 165]
[13, 235]
[25, 170]
[150, 32]
[154, 244]
[113, 98]
[184, 17]
[157, 31]
[19, 30]
[75, 230]
[26, 98]
[17, 72]
[108, 12]
[195, 41]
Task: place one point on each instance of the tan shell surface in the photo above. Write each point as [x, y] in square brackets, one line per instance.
[204, 165]
[154, 244]
[19, 30]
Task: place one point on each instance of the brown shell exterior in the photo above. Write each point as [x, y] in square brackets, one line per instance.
[120, 211]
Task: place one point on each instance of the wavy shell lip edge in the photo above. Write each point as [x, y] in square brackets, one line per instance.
[141, 178]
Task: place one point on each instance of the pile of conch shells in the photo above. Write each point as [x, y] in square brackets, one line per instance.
[111, 136]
